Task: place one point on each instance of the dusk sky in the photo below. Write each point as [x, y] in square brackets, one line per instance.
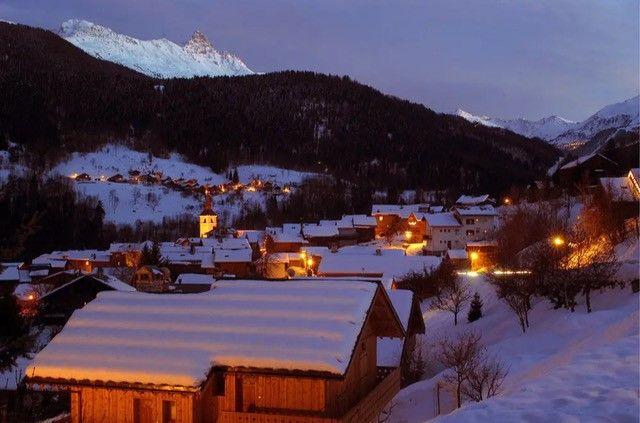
[495, 57]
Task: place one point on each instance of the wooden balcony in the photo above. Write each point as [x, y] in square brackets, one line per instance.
[366, 410]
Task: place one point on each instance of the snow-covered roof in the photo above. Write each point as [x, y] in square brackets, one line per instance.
[388, 266]
[108, 280]
[456, 254]
[176, 339]
[487, 210]
[121, 247]
[9, 272]
[280, 235]
[402, 301]
[317, 251]
[446, 219]
[469, 200]
[252, 236]
[402, 210]
[619, 188]
[359, 220]
[232, 256]
[194, 279]
[320, 231]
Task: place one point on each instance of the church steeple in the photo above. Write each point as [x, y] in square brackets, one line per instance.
[208, 218]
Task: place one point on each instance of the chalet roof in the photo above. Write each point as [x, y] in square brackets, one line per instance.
[402, 300]
[457, 254]
[232, 256]
[280, 235]
[251, 235]
[486, 210]
[441, 220]
[320, 231]
[9, 272]
[388, 266]
[175, 340]
[194, 279]
[619, 188]
[469, 200]
[107, 280]
[402, 210]
[359, 220]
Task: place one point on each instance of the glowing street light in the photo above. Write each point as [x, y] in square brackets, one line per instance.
[408, 235]
[309, 262]
[507, 201]
[557, 241]
[474, 255]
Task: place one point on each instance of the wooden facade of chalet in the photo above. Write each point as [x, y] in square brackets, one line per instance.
[387, 224]
[151, 279]
[252, 395]
[414, 229]
[275, 246]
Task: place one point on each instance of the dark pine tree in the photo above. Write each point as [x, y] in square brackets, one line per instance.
[475, 309]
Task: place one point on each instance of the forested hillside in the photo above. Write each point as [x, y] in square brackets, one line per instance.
[56, 99]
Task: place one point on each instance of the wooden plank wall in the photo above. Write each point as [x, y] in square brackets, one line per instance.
[271, 392]
[106, 405]
[342, 394]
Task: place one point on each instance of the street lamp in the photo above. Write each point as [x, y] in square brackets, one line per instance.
[557, 241]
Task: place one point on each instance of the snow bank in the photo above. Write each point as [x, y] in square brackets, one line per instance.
[567, 367]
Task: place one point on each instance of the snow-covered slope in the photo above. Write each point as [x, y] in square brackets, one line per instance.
[565, 133]
[623, 115]
[567, 367]
[158, 58]
[125, 203]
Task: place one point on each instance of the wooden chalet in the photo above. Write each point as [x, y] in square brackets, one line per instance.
[284, 240]
[247, 351]
[151, 279]
[396, 353]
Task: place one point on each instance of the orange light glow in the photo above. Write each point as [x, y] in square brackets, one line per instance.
[309, 262]
[507, 200]
[408, 235]
[558, 241]
[474, 255]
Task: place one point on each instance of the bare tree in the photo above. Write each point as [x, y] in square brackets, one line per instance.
[136, 194]
[452, 298]
[460, 358]
[486, 379]
[516, 290]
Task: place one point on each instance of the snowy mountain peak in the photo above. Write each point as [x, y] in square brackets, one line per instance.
[199, 44]
[158, 58]
[563, 132]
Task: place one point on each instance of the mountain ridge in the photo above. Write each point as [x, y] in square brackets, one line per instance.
[158, 58]
[562, 132]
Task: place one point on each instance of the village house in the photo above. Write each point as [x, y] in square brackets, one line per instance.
[482, 254]
[478, 222]
[478, 200]
[443, 232]
[459, 258]
[321, 235]
[414, 229]
[151, 279]
[123, 254]
[287, 239]
[189, 283]
[234, 354]
[229, 263]
[391, 218]
[82, 260]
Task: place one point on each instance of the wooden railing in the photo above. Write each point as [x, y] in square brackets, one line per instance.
[365, 411]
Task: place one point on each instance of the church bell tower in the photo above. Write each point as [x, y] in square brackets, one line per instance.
[208, 218]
